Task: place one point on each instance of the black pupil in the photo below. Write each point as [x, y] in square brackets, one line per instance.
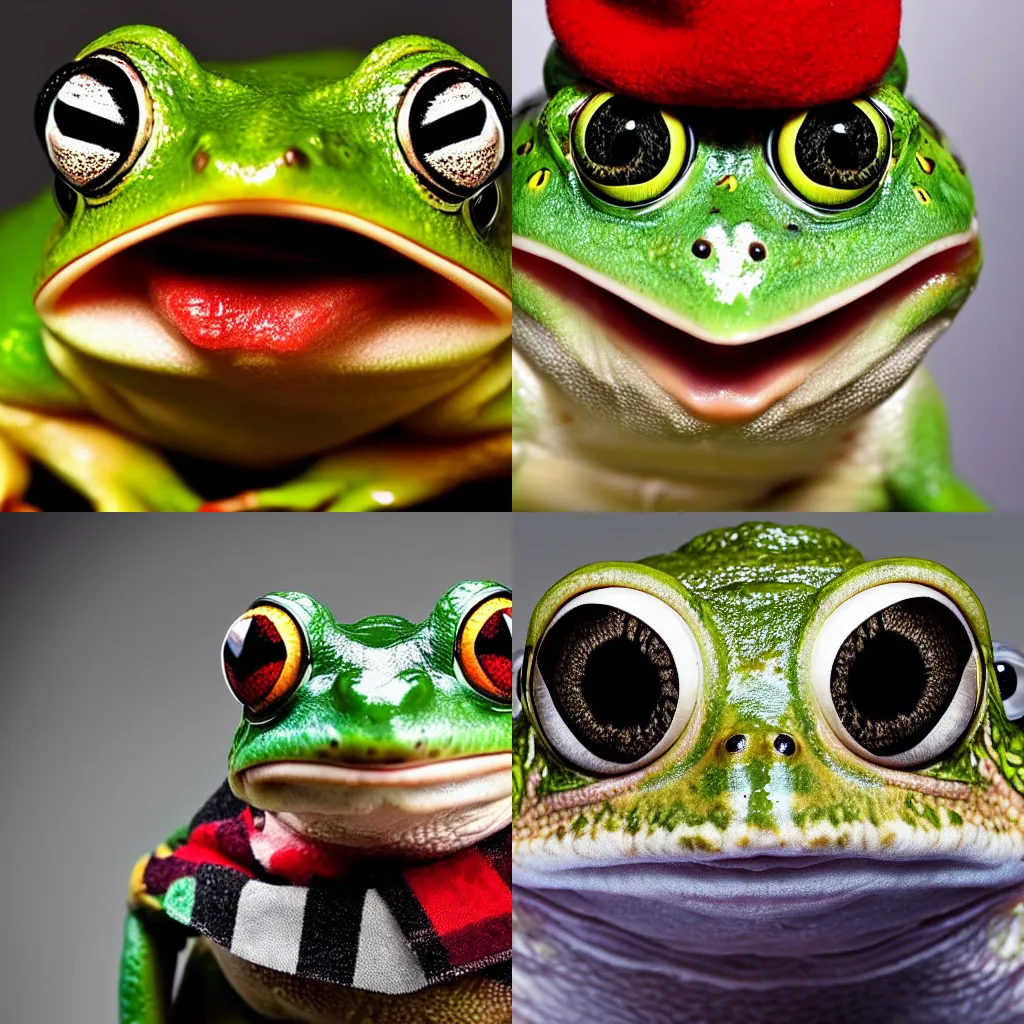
[612, 679]
[838, 146]
[896, 674]
[609, 664]
[1006, 675]
[626, 143]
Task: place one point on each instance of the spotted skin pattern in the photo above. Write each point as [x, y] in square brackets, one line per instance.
[782, 877]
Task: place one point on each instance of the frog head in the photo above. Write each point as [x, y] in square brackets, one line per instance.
[264, 229]
[738, 258]
[760, 732]
[379, 736]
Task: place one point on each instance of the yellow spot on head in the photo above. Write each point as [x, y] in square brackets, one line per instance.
[539, 180]
[729, 182]
[925, 163]
[922, 196]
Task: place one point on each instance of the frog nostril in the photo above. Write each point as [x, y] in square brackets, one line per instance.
[701, 248]
[294, 157]
[785, 745]
[736, 744]
[200, 160]
[757, 251]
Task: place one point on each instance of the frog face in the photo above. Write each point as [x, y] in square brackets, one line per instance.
[266, 228]
[382, 735]
[737, 256]
[758, 701]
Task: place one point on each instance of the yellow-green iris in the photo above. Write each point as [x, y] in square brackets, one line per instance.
[835, 156]
[628, 151]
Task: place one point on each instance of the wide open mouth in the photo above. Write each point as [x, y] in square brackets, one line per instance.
[275, 278]
[732, 381]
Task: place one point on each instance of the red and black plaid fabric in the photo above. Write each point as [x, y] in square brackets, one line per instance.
[444, 919]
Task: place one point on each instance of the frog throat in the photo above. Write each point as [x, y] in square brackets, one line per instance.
[414, 810]
[267, 279]
[732, 380]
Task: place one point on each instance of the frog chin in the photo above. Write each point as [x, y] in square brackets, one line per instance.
[258, 282]
[732, 379]
[424, 809]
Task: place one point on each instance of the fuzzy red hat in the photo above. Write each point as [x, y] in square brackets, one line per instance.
[730, 53]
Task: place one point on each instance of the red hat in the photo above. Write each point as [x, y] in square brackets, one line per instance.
[730, 53]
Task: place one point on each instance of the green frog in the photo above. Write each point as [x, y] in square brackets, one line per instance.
[721, 310]
[296, 269]
[368, 793]
[760, 779]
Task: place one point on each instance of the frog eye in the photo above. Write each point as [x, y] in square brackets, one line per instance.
[453, 127]
[833, 157]
[627, 151]
[94, 118]
[483, 648]
[615, 679]
[1010, 679]
[265, 658]
[895, 670]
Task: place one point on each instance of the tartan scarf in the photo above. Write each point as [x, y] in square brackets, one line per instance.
[388, 928]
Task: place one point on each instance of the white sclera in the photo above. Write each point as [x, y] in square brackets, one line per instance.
[682, 645]
[1014, 704]
[841, 623]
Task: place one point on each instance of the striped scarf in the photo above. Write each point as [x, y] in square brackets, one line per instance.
[385, 928]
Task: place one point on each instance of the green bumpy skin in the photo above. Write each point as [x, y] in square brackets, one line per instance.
[607, 405]
[381, 691]
[755, 597]
[223, 134]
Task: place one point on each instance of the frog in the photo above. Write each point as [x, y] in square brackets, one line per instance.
[368, 797]
[287, 278]
[725, 309]
[742, 794]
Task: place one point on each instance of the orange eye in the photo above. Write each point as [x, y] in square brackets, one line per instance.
[483, 651]
[264, 658]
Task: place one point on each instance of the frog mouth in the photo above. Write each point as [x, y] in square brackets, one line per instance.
[406, 806]
[731, 380]
[272, 278]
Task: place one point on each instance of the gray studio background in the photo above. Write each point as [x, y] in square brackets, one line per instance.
[965, 71]
[987, 553]
[117, 720]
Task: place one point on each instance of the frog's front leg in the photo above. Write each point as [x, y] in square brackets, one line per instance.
[919, 467]
[115, 472]
[462, 438]
[148, 958]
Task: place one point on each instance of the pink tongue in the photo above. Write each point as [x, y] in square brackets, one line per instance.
[263, 316]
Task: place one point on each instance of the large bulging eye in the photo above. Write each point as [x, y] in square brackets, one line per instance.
[627, 151]
[834, 157]
[1010, 680]
[895, 671]
[453, 129]
[483, 649]
[265, 658]
[94, 118]
[615, 679]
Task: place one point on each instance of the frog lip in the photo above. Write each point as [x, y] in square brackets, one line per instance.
[381, 775]
[192, 280]
[809, 314]
[733, 380]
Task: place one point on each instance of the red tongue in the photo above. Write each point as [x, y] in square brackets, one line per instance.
[289, 315]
